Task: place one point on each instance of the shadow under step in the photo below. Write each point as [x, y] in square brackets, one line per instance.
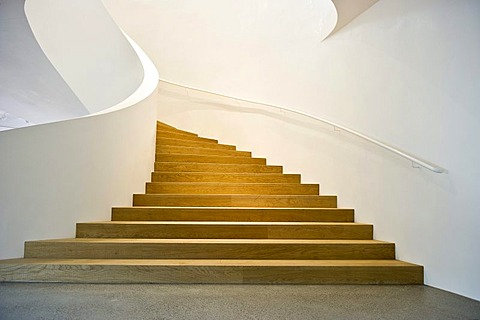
[231, 188]
[212, 271]
[232, 214]
[98, 248]
[214, 200]
[224, 230]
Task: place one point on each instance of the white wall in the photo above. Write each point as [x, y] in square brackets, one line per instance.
[30, 87]
[348, 10]
[56, 174]
[223, 41]
[405, 72]
[102, 73]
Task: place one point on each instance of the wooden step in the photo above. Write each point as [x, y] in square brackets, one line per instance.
[165, 126]
[212, 271]
[184, 136]
[231, 188]
[192, 143]
[216, 215]
[175, 130]
[91, 248]
[166, 157]
[215, 167]
[202, 151]
[232, 214]
[225, 177]
[166, 132]
[224, 230]
[205, 200]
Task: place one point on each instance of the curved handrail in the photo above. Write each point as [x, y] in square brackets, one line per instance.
[415, 160]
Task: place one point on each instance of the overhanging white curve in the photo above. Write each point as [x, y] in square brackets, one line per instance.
[148, 85]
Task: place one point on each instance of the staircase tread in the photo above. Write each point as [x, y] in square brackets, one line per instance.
[179, 132]
[164, 130]
[213, 262]
[171, 138]
[200, 155]
[203, 146]
[163, 124]
[185, 137]
[217, 164]
[238, 195]
[249, 184]
[211, 241]
[229, 223]
[197, 173]
[232, 208]
[178, 142]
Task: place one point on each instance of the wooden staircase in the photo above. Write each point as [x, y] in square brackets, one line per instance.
[212, 214]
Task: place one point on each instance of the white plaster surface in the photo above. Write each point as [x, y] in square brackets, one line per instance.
[404, 72]
[88, 50]
[30, 87]
[57, 174]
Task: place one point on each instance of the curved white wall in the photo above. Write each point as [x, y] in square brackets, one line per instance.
[350, 9]
[224, 45]
[30, 87]
[56, 174]
[88, 50]
[405, 72]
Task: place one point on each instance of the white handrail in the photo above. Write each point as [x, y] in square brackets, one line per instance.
[415, 160]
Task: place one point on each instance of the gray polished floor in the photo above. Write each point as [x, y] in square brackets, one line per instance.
[87, 301]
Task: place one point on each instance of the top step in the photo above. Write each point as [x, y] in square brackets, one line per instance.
[192, 143]
[165, 127]
[178, 132]
[183, 136]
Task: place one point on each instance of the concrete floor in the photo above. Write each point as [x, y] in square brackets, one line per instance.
[88, 301]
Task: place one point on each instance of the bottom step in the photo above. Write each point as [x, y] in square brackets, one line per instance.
[211, 271]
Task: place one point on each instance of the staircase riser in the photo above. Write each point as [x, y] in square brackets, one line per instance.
[207, 159]
[166, 126]
[181, 214]
[237, 178]
[134, 250]
[212, 274]
[230, 201]
[201, 151]
[195, 188]
[92, 230]
[166, 132]
[218, 168]
[192, 143]
[181, 136]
